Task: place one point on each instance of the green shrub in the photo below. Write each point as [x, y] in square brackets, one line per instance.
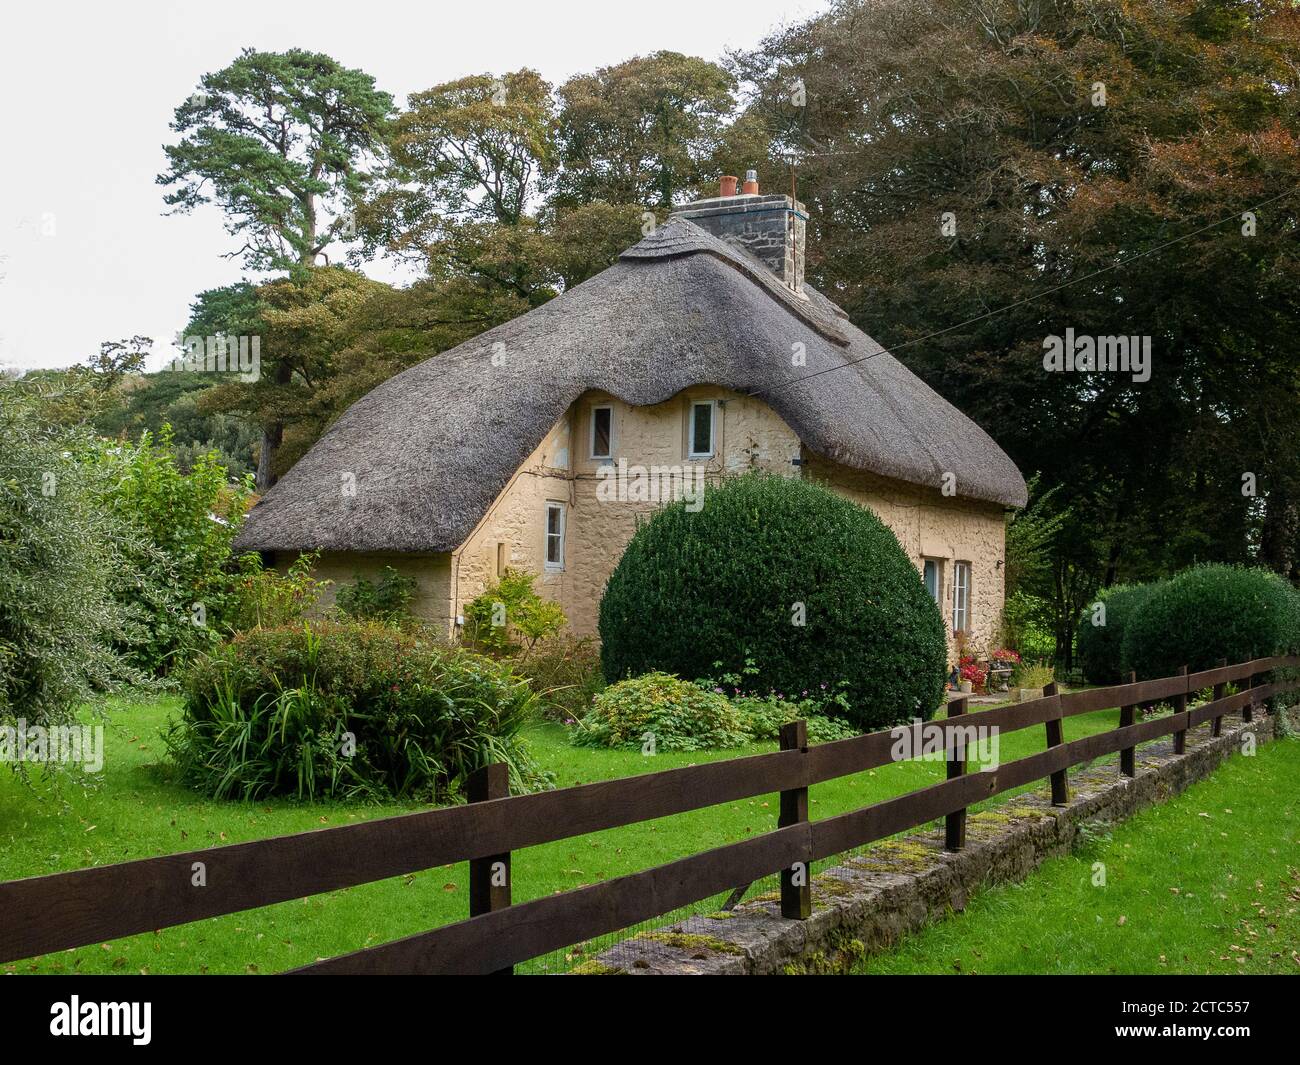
[347, 709]
[387, 599]
[565, 674]
[64, 555]
[680, 716]
[1207, 613]
[187, 521]
[813, 587]
[1100, 645]
[1027, 625]
[761, 717]
[510, 616]
[266, 598]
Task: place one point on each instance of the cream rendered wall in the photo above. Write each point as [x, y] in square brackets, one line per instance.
[748, 435]
[930, 525]
[432, 574]
[513, 532]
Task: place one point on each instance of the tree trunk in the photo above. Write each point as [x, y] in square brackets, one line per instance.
[272, 436]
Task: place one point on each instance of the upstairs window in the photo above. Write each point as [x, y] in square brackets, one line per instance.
[602, 432]
[555, 536]
[961, 597]
[700, 434]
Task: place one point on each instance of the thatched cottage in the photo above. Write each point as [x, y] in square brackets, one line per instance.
[701, 352]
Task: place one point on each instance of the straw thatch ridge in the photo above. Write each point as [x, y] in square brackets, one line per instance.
[415, 464]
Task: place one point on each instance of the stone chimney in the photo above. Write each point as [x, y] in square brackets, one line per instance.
[770, 227]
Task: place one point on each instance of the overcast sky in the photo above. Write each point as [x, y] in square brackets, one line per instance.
[88, 90]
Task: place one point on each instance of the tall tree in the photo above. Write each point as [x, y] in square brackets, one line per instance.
[641, 132]
[985, 174]
[305, 320]
[464, 152]
[275, 140]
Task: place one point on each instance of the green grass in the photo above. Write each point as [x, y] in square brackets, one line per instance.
[1206, 883]
[136, 810]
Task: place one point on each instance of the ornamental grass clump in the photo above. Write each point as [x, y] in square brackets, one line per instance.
[356, 709]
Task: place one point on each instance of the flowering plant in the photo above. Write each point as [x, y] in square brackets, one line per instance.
[1006, 656]
[970, 670]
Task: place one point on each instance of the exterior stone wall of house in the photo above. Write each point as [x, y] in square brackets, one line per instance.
[512, 535]
[432, 574]
[947, 529]
[749, 435]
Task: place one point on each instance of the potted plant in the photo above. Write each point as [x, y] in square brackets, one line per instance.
[1003, 663]
[972, 674]
[1030, 679]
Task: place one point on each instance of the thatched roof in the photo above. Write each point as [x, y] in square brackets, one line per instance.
[431, 448]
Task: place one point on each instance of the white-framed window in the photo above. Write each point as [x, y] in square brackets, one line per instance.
[555, 536]
[700, 431]
[961, 597]
[932, 571]
[602, 431]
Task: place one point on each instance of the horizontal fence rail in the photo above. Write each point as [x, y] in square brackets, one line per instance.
[61, 911]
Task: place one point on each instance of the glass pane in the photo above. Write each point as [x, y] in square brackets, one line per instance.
[932, 578]
[702, 429]
[601, 419]
[552, 519]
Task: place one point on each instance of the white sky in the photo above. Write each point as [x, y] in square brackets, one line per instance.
[88, 90]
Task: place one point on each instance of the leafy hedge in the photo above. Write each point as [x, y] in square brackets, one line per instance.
[347, 709]
[1207, 613]
[680, 716]
[734, 580]
[683, 716]
[1100, 645]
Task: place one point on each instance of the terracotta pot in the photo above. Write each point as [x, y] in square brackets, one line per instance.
[727, 186]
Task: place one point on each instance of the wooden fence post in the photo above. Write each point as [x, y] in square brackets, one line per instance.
[1055, 737]
[954, 825]
[1217, 728]
[1128, 716]
[1248, 711]
[796, 881]
[1180, 707]
[489, 877]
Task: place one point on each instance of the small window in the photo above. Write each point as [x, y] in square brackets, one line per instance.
[961, 597]
[700, 445]
[555, 536]
[602, 432]
[933, 578]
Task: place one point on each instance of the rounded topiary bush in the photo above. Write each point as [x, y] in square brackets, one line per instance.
[1101, 635]
[811, 588]
[1207, 613]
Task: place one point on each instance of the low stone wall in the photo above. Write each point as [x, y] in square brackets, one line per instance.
[865, 904]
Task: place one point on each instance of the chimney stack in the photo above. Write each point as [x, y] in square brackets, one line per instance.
[771, 227]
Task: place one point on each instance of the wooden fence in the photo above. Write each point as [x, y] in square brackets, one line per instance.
[73, 909]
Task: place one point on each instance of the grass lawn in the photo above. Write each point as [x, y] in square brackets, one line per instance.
[136, 810]
[1206, 883]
